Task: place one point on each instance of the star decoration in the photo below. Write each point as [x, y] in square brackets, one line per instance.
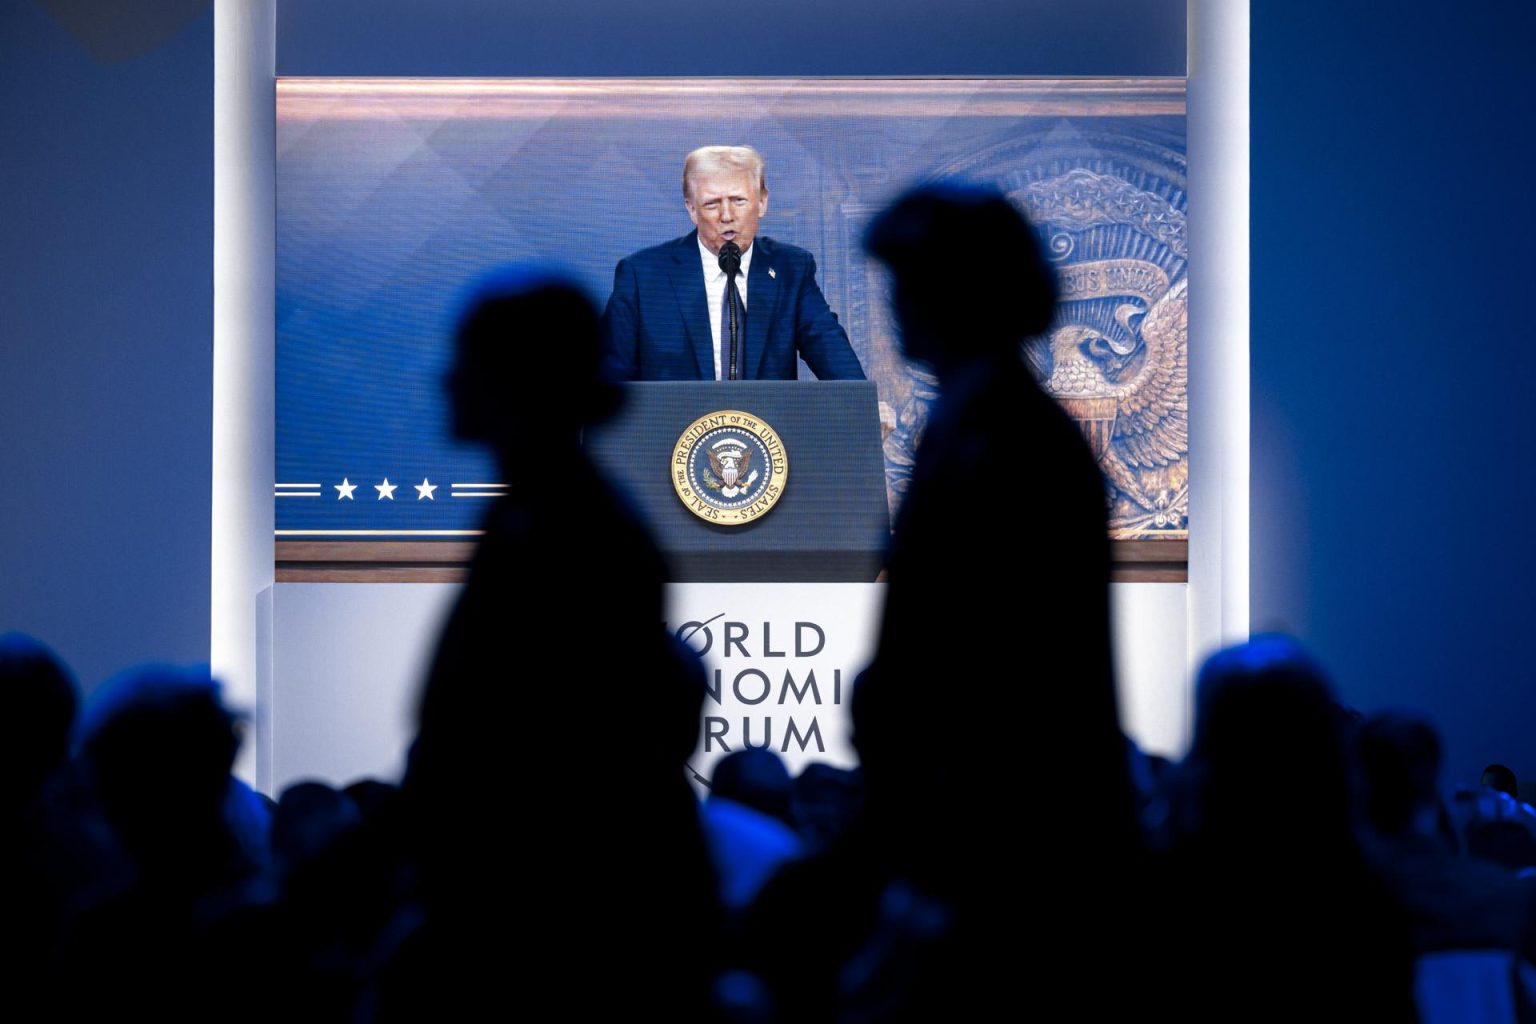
[345, 489]
[386, 489]
[425, 489]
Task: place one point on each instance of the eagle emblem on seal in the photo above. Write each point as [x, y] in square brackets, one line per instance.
[1117, 357]
[730, 462]
[1129, 398]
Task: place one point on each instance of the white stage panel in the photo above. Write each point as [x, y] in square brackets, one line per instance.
[347, 660]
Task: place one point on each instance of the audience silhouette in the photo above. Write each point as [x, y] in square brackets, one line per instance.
[1003, 847]
[58, 857]
[546, 785]
[43, 698]
[1501, 778]
[1278, 913]
[1453, 902]
[1031, 656]
[157, 747]
[978, 694]
[749, 823]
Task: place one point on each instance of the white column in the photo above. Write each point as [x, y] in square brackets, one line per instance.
[1218, 324]
[244, 154]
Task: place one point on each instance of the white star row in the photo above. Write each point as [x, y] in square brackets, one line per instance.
[425, 491]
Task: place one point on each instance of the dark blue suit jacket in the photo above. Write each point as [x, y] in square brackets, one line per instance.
[656, 325]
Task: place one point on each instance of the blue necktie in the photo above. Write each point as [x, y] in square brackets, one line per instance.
[733, 332]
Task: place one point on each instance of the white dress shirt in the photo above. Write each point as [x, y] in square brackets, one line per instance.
[714, 292]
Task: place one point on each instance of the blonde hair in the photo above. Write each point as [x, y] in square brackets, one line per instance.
[730, 158]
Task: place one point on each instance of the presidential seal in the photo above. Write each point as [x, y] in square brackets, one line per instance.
[729, 468]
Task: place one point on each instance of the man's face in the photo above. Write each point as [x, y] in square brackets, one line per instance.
[725, 206]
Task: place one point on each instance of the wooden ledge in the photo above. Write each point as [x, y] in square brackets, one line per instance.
[367, 561]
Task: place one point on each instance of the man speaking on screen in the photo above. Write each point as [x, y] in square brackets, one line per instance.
[723, 302]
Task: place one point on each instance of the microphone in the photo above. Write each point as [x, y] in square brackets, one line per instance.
[730, 262]
[730, 258]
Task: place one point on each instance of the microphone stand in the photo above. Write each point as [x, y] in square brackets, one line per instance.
[730, 262]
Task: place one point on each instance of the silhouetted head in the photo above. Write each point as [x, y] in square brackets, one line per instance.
[371, 795]
[677, 703]
[825, 800]
[1400, 758]
[1502, 779]
[528, 369]
[874, 723]
[968, 275]
[159, 744]
[310, 817]
[1268, 739]
[40, 704]
[757, 778]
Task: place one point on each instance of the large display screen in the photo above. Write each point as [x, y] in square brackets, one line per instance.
[393, 195]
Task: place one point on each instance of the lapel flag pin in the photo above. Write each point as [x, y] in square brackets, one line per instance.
[772, 273]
